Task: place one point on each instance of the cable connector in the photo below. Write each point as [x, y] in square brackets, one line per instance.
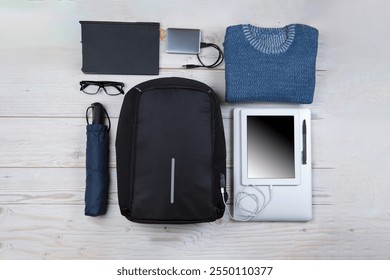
[191, 66]
[222, 184]
[215, 64]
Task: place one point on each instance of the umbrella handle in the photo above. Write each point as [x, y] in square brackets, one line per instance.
[108, 117]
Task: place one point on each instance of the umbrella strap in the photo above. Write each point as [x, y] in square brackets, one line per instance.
[108, 117]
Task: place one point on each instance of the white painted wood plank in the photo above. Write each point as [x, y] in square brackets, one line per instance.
[61, 142]
[33, 32]
[41, 186]
[58, 232]
[34, 87]
[53, 90]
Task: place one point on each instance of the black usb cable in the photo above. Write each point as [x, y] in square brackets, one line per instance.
[215, 64]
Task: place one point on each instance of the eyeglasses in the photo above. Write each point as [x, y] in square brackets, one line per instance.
[93, 87]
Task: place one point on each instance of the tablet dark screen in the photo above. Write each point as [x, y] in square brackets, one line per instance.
[270, 147]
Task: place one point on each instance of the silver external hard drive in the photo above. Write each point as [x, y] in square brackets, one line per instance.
[183, 41]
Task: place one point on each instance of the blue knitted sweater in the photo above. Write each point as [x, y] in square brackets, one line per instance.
[270, 64]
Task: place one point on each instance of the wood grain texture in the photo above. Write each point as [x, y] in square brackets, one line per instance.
[35, 186]
[42, 138]
[61, 142]
[56, 231]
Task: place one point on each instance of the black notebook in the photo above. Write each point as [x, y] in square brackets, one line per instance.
[120, 47]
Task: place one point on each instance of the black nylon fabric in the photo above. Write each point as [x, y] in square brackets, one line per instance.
[165, 120]
[125, 149]
[97, 179]
[187, 140]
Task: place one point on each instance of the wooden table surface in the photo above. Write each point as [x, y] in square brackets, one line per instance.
[42, 138]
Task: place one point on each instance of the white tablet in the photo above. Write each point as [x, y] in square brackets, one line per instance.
[271, 149]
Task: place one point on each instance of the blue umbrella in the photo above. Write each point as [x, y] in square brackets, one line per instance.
[97, 180]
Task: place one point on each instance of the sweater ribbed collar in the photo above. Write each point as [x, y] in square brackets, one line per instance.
[270, 40]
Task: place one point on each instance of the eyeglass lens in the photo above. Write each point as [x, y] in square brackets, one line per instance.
[111, 90]
[91, 89]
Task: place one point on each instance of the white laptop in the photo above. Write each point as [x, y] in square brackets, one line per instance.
[272, 165]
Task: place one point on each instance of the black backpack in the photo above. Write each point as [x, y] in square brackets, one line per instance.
[171, 153]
